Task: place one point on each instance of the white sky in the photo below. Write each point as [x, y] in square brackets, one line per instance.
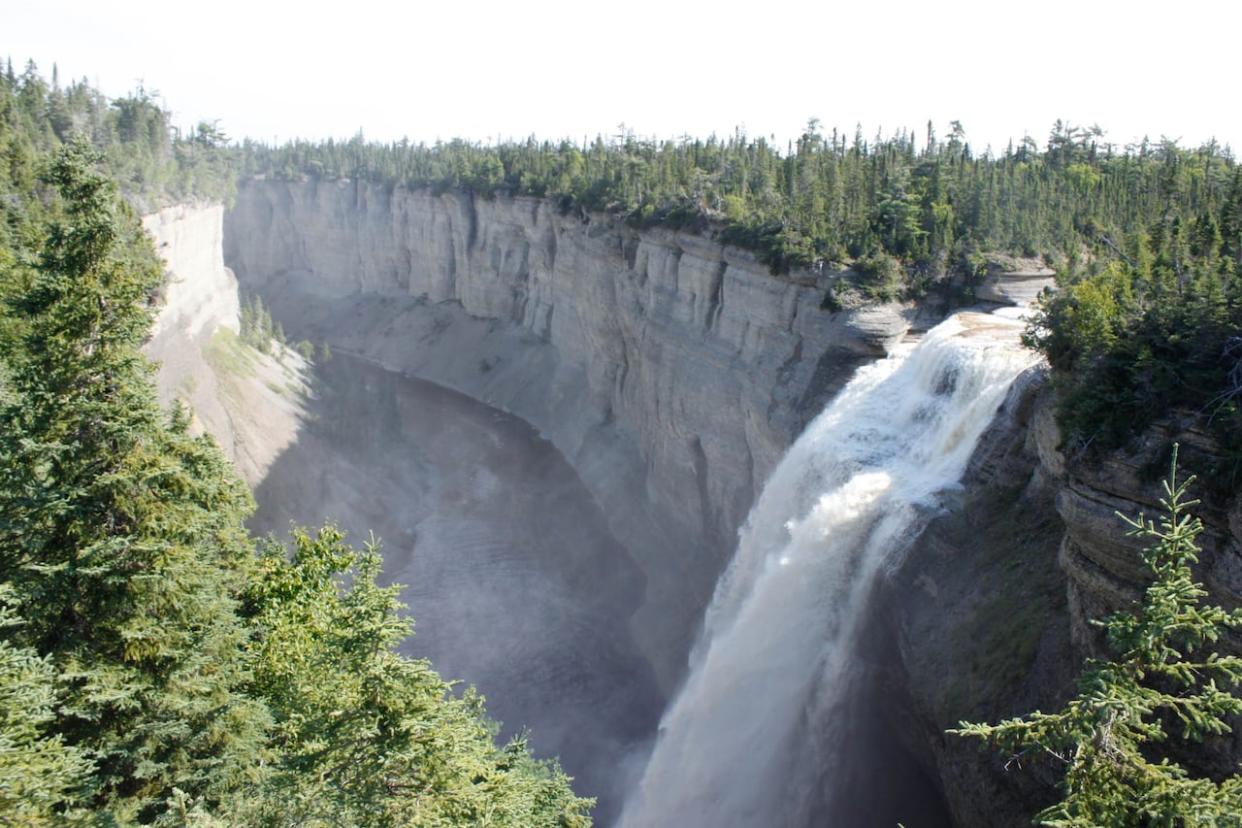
[560, 68]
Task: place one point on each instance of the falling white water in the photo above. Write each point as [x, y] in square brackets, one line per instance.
[776, 645]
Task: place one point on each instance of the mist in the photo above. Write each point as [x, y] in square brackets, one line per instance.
[515, 584]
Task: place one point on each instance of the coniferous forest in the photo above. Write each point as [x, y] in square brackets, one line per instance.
[158, 665]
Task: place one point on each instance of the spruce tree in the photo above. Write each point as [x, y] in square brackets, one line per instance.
[121, 536]
[1165, 680]
[365, 736]
[41, 778]
[135, 687]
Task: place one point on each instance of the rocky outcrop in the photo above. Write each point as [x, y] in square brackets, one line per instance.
[673, 372]
[1103, 564]
[200, 295]
[1004, 588]
[248, 401]
[1009, 280]
[670, 370]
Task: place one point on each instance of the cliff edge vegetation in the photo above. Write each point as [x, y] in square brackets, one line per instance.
[935, 204]
[1164, 680]
[1146, 239]
[155, 670]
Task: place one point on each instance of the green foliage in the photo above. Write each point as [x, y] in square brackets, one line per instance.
[1165, 680]
[364, 735]
[120, 535]
[824, 198]
[157, 672]
[228, 354]
[40, 776]
[879, 277]
[257, 329]
[142, 151]
[1132, 338]
[152, 669]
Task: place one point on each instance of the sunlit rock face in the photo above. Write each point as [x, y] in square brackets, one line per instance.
[1105, 567]
[670, 370]
[1011, 280]
[1004, 588]
[669, 375]
[506, 560]
[201, 293]
[250, 402]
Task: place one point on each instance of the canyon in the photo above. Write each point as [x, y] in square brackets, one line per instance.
[663, 376]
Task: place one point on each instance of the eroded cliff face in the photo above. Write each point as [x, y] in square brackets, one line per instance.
[248, 401]
[201, 293]
[973, 623]
[1103, 564]
[672, 371]
[519, 589]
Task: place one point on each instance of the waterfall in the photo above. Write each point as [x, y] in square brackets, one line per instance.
[738, 746]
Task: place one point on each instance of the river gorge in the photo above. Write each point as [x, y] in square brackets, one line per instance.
[558, 425]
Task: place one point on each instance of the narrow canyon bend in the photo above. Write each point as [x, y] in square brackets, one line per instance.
[558, 426]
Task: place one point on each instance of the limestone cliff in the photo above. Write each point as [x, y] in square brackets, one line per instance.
[248, 401]
[672, 371]
[973, 624]
[1103, 565]
[201, 293]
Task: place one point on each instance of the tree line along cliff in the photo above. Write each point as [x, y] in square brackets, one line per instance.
[1146, 239]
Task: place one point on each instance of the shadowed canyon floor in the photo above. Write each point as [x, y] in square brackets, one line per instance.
[510, 573]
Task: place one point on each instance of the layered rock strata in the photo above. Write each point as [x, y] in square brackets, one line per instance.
[1004, 588]
[250, 402]
[672, 371]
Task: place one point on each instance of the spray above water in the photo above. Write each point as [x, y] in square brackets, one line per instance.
[741, 744]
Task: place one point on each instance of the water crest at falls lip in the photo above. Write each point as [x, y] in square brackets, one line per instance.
[744, 742]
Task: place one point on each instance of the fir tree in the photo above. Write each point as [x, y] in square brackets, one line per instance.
[135, 686]
[41, 778]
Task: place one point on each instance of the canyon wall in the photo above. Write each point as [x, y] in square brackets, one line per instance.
[972, 623]
[200, 295]
[1103, 564]
[672, 371]
[250, 402]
